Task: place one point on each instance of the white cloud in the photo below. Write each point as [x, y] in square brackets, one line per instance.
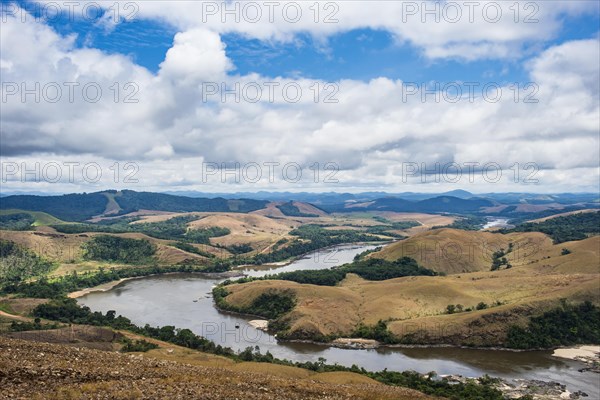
[170, 131]
[197, 55]
[441, 29]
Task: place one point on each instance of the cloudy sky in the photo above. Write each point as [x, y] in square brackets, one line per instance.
[301, 96]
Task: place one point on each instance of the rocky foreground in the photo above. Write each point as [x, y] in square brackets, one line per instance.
[31, 370]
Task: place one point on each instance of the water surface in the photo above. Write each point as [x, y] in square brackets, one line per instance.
[185, 301]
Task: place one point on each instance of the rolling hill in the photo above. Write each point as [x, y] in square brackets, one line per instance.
[81, 207]
[455, 251]
[537, 276]
[446, 204]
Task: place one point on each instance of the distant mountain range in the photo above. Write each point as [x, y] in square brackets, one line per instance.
[336, 198]
[445, 204]
[80, 207]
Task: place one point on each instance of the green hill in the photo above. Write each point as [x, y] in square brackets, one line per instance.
[80, 207]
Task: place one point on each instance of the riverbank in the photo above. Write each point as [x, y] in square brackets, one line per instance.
[100, 288]
[113, 284]
[292, 260]
[588, 355]
[518, 388]
[169, 302]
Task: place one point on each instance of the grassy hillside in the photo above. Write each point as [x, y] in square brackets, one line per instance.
[565, 228]
[69, 207]
[454, 251]
[446, 204]
[39, 218]
[132, 201]
[170, 372]
[416, 307]
[81, 207]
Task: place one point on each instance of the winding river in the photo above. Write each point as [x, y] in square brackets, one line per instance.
[185, 301]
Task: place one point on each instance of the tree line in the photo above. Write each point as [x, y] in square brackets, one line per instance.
[68, 311]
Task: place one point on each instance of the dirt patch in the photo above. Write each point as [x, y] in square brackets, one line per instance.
[41, 370]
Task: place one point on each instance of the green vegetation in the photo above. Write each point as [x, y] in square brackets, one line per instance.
[16, 222]
[193, 249]
[563, 326]
[399, 225]
[378, 332]
[390, 226]
[61, 286]
[312, 237]
[475, 389]
[373, 269]
[239, 248]
[81, 207]
[40, 218]
[69, 207]
[68, 311]
[36, 325]
[361, 256]
[291, 210]
[454, 308]
[564, 229]
[175, 228]
[141, 346]
[271, 304]
[564, 252]
[499, 259]
[383, 230]
[18, 263]
[458, 308]
[119, 250]
[469, 223]
[130, 200]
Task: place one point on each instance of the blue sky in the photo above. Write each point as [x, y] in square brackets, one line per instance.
[370, 133]
[360, 54]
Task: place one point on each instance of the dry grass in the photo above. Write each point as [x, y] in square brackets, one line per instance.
[309, 209]
[564, 215]
[427, 221]
[454, 251]
[73, 372]
[419, 303]
[343, 378]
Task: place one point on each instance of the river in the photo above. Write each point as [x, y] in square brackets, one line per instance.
[185, 301]
[494, 222]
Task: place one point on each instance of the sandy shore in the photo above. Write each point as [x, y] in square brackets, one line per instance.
[100, 288]
[356, 343]
[583, 353]
[261, 324]
[109, 285]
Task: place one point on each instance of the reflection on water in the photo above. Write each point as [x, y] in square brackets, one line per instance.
[184, 300]
[494, 222]
[320, 259]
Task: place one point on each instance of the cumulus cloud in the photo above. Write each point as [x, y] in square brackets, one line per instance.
[467, 30]
[179, 117]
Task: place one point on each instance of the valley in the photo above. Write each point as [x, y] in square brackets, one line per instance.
[322, 278]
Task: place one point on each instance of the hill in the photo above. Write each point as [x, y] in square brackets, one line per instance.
[75, 372]
[455, 251]
[445, 204]
[68, 207]
[415, 308]
[563, 215]
[81, 207]
[39, 218]
[564, 228]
